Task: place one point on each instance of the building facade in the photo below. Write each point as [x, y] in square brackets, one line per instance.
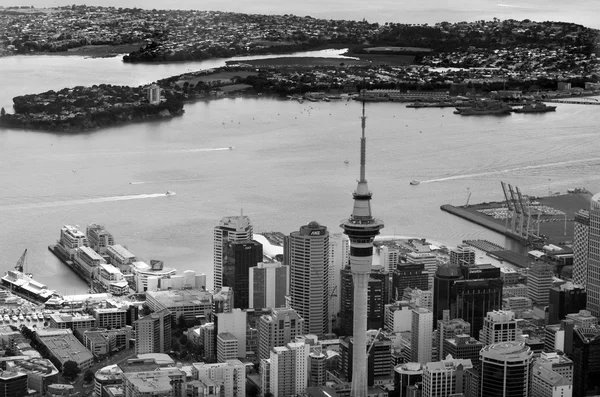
[230, 228]
[581, 247]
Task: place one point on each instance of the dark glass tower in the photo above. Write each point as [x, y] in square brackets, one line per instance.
[239, 257]
[444, 295]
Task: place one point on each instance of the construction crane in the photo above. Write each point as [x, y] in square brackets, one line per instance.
[374, 340]
[468, 196]
[510, 211]
[20, 266]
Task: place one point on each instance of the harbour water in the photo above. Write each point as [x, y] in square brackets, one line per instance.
[287, 167]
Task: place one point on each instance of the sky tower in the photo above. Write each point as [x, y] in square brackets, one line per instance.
[361, 228]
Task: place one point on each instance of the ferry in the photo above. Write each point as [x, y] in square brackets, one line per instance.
[536, 107]
[169, 193]
[414, 182]
[24, 284]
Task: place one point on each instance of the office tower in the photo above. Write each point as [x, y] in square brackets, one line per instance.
[398, 317]
[447, 329]
[581, 247]
[445, 377]
[230, 228]
[539, 282]
[268, 285]
[406, 376]
[465, 347]
[443, 290]
[308, 253]
[499, 326]
[239, 257]
[288, 369]
[421, 335]
[227, 347]
[279, 327]
[584, 350]
[153, 333]
[593, 270]
[479, 292]
[231, 374]
[428, 260]
[317, 367]
[377, 297]
[564, 299]
[505, 370]
[98, 238]
[361, 228]
[339, 252]
[559, 363]
[419, 298]
[389, 255]
[462, 255]
[379, 358]
[235, 324]
[408, 275]
[547, 383]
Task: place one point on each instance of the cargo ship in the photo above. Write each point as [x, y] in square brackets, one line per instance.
[536, 107]
[23, 283]
[482, 108]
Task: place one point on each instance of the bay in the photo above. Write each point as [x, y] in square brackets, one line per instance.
[287, 167]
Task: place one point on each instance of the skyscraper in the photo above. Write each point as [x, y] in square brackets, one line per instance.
[231, 228]
[268, 285]
[593, 269]
[444, 296]
[564, 299]
[539, 282]
[239, 257]
[506, 370]
[421, 342]
[408, 275]
[361, 228]
[307, 251]
[279, 327]
[499, 326]
[153, 333]
[581, 247]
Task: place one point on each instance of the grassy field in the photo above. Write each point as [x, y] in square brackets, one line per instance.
[221, 76]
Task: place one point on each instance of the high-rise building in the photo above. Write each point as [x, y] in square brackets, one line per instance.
[419, 298]
[547, 383]
[279, 327]
[464, 347]
[398, 317]
[421, 338]
[564, 299]
[559, 363]
[239, 257]
[231, 228]
[539, 282]
[361, 228]
[408, 275]
[479, 292]
[447, 329]
[153, 333]
[499, 326]
[98, 238]
[379, 359]
[407, 376]
[584, 350]
[13, 383]
[389, 255]
[268, 285]
[339, 253]
[231, 374]
[445, 377]
[288, 369]
[443, 290]
[592, 284]
[505, 370]
[428, 260]
[234, 323]
[462, 255]
[581, 247]
[307, 254]
[583, 319]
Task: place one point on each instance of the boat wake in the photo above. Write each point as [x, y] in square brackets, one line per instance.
[528, 167]
[166, 181]
[64, 203]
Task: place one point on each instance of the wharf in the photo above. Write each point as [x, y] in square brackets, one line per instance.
[58, 253]
[499, 253]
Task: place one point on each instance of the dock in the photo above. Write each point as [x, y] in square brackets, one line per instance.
[69, 263]
[568, 101]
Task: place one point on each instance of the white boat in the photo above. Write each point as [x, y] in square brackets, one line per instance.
[40, 316]
[6, 318]
[28, 317]
[14, 318]
[21, 317]
[170, 193]
[414, 182]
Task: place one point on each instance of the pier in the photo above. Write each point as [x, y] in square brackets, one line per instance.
[574, 102]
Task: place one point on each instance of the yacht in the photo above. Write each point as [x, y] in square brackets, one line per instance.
[414, 182]
[170, 193]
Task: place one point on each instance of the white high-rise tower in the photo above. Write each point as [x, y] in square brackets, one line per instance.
[361, 228]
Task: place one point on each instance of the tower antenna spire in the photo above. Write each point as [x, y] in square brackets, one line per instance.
[363, 143]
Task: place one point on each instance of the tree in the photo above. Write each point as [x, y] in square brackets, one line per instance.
[2, 112]
[88, 376]
[183, 339]
[181, 322]
[70, 369]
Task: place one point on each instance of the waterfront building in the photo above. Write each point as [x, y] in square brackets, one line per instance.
[584, 349]
[447, 329]
[239, 257]
[462, 255]
[277, 328]
[583, 319]
[428, 260]
[98, 238]
[445, 377]
[112, 279]
[505, 370]
[268, 285]
[71, 239]
[307, 254]
[547, 383]
[235, 324]
[581, 247]
[443, 290]
[192, 304]
[339, 254]
[539, 282]
[408, 275]
[120, 257]
[13, 383]
[361, 228]
[230, 228]
[153, 333]
[564, 299]
[87, 261]
[229, 376]
[398, 317]
[62, 346]
[499, 326]
[421, 330]
[593, 269]
[71, 321]
[147, 277]
[464, 347]
[289, 369]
